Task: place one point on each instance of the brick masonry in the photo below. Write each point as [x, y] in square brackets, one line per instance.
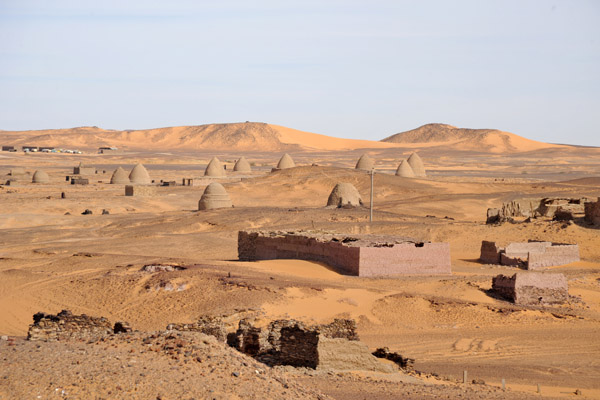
[532, 288]
[359, 255]
[592, 212]
[529, 255]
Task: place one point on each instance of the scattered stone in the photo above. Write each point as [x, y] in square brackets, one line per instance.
[105, 212]
[162, 268]
[208, 325]
[3, 337]
[65, 325]
[402, 362]
[87, 212]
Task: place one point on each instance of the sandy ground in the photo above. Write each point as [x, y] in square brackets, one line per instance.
[52, 257]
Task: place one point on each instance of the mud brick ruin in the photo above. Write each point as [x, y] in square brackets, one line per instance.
[290, 342]
[65, 325]
[530, 255]
[592, 212]
[135, 190]
[532, 288]
[208, 325]
[358, 255]
[535, 207]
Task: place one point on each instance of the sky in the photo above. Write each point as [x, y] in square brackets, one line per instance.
[352, 69]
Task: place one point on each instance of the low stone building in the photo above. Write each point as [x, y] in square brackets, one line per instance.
[82, 169]
[358, 255]
[532, 288]
[529, 255]
[592, 212]
[140, 190]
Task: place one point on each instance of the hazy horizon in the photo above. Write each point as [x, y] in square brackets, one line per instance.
[346, 69]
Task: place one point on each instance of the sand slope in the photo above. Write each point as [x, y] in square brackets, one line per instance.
[488, 140]
[248, 136]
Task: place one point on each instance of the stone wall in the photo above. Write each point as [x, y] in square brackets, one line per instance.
[532, 288]
[359, 255]
[592, 212]
[213, 326]
[65, 325]
[140, 190]
[530, 255]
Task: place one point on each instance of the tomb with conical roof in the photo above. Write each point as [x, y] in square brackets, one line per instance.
[120, 177]
[344, 195]
[40, 176]
[416, 164]
[405, 170]
[214, 168]
[365, 163]
[214, 196]
[242, 165]
[139, 175]
[285, 162]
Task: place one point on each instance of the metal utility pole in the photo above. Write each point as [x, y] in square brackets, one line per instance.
[371, 211]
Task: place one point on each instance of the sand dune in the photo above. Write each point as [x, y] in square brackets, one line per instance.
[248, 136]
[258, 136]
[486, 140]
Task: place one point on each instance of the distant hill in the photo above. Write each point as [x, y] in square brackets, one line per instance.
[485, 140]
[245, 136]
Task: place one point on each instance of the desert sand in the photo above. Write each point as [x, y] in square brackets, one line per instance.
[54, 258]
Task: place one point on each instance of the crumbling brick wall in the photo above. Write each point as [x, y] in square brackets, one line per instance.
[535, 207]
[529, 255]
[359, 255]
[209, 325]
[532, 288]
[592, 212]
[65, 325]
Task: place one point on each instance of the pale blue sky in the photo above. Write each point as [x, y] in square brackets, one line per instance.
[354, 69]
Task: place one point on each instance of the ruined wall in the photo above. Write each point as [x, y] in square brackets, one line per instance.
[592, 212]
[65, 325]
[341, 354]
[490, 253]
[557, 254]
[535, 207]
[529, 255]
[140, 190]
[352, 256]
[532, 288]
[209, 325]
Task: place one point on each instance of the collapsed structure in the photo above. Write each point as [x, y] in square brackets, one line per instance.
[592, 212]
[529, 255]
[365, 163]
[214, 196]
[358, 255]
[66, 325]
[290, 342]
[532, 288]
[537, 207]
[405, 170]
[417, 166]
[214, 168]
[344, 195]
[139, 175]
